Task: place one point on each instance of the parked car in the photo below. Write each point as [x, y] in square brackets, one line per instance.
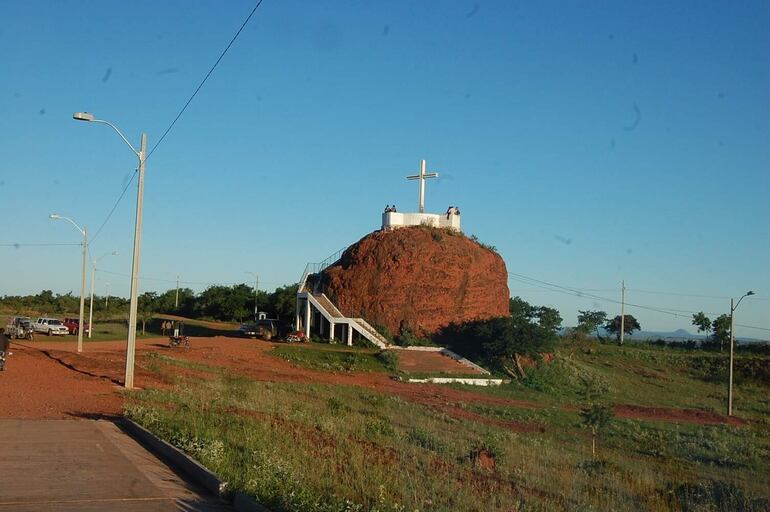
[248, 330]
[50, 326]
[269, 328]
[73, 324]
[265, 328]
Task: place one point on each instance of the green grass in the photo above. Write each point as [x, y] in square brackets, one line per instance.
[117, 329]
[334, 358]
[339, 448]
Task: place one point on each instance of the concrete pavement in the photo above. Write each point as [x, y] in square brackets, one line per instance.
[87, 465]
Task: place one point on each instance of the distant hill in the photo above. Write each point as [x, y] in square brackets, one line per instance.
[677, 335]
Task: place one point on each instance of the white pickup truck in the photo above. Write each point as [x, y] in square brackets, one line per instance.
[50, 326]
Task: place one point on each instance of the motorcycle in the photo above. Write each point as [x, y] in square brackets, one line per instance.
[26, 333]
[5, 344]
[178, 339]
[296, 337]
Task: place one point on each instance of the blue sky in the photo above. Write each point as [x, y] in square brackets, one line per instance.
[589, 142]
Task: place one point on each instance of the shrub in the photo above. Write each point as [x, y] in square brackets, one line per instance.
[425, 439]
[379, 427]
[336, 407]
[384, 332]
[717, 495]
[389, 358]
[407, 338]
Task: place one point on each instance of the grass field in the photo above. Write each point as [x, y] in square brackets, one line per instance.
[335, 358]
[317, 447]
[111, 329]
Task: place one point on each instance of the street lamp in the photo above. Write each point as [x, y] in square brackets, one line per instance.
[141, 154]
[733, 307]
[256, 293]
[93, 277]
[84, 232]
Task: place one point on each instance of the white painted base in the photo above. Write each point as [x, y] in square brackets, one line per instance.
[393, 220]
[459, 380]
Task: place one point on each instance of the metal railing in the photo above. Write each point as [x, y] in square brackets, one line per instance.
[315, 268]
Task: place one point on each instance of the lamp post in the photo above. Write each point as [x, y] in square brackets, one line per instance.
[91, 306]
[141, 154]
[733, 307]
[256, 293]
[84, 232]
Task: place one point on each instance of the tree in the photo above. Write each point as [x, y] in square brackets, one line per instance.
[226, 302]
[520, 308]
[721, 328]
[596, 417]
[146, 307]
[523, 311]
[630, 325]
[530, 330]
[282, 303]
[590, 321]
[595, 414]
[549, 318]
[702, 322]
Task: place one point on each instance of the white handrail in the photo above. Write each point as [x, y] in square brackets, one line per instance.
[315, 268]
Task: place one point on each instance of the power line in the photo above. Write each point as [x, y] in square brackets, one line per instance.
[576, 292]
[36, 244]
[204, 79]
[123, 193]
[676, 294]
[579, 293]
[206, 283]
[114, 206]
[753, 327]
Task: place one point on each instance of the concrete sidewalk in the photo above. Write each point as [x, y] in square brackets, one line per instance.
[86, 465]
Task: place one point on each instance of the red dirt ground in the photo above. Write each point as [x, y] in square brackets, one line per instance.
[48, 379]
[418, 361]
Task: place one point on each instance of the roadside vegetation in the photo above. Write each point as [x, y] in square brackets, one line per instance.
[336, 358]
[219, 303]
[661, 440]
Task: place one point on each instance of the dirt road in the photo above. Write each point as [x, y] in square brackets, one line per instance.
[49, 379]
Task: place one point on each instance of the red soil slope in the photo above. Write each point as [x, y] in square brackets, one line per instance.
[418, 278]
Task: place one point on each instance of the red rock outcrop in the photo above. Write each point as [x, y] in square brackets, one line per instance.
[418, 278]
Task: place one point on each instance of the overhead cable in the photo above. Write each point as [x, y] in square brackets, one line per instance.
[221, 55]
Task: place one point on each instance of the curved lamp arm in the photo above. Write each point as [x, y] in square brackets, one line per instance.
[87, 116]
[94, 261]
[744, 296]
[56, 216]
[138, 155]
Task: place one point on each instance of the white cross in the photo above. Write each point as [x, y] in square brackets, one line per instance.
[422, 177]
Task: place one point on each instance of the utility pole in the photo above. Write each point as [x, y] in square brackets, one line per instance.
[176, 301]
[91, 306]
[84, 233]
[131, 342]
[622, 310]
[256, 293]
[733, 307]
[732, 344]
[83, 291]
[141, 154]
[106, 294]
